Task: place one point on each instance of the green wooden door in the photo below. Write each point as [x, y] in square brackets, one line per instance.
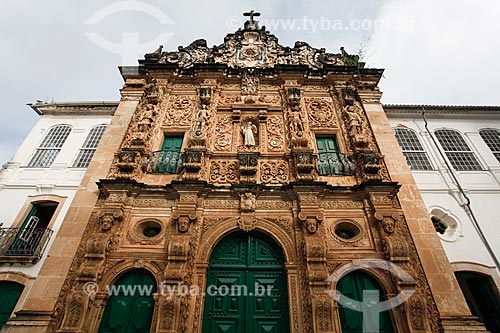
[130, 308]
[170, 155]
[246, 286]
[9, 295]
[328, 157]
[352, 286]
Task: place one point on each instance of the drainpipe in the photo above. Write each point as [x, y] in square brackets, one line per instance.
[466, 206]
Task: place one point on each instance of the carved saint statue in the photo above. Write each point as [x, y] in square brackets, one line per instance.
[248, 129]
[201, 120]
[296, 124]
[354, 120]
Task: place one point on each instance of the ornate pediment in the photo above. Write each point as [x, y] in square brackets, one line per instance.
[252, 47]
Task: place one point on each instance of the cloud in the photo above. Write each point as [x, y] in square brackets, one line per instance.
[449, 56]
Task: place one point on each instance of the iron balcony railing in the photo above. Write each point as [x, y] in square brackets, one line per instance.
[23, 244]
[335, 164]
[163, 161]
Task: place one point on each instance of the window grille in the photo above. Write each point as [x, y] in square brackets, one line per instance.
[89, 147]
[458, 152]
[492, 138]
[412, 149]
[49, 148]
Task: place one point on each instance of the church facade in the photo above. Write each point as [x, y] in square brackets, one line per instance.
[251, 187]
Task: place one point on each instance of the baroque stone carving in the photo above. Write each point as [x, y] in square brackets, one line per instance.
[108, 218]
[248, 162]
[223, 172]
[247, 202]
[179, 111]
[388, 222]
[247, 223]
[321, 114]
[293, 98]
[273, 204]
[153, 202]
[214, 203]
[356, 126]
[335, 204]
[183, 221]
[223, 133]
[249, 83]
[324, 312]
[275, 133]
[310, 222]
[252, 48]
[274, 172]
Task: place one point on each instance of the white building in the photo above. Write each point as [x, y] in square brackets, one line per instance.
[455, 161]
[37, 186]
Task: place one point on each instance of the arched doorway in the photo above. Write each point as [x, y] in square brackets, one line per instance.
[246, 286]
[481, 296]
[130, 306]
[352, 286]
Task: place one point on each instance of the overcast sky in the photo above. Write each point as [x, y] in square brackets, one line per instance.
[433, 52]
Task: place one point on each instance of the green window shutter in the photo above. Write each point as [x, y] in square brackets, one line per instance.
[9, 295]
[329, 162]
[170, 156]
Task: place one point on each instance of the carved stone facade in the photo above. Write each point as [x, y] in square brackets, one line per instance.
[260, 177]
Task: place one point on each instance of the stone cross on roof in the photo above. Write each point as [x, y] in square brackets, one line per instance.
[251, 13]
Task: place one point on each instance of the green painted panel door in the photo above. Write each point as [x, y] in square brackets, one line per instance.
[328, 157]
[352, 287]
[246, 286]
[130, 309]
[170, 155]
[9, 295]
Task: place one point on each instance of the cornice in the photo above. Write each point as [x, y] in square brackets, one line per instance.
[100, 108]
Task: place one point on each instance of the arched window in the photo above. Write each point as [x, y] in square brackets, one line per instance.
[50, 147]
[492, 138]
[89, 147]
[456, 149]
[360, 287]
[412, 149]
[10, 293]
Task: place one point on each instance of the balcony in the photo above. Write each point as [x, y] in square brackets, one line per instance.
[23, 245]
[163, 162]
[335, 164]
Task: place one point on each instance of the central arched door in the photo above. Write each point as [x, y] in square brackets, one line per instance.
[246, 286]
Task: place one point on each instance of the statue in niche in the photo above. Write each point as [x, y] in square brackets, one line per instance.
[354, 120]
[248, 129]
[201, 120]
[297, 126]
[146, 119]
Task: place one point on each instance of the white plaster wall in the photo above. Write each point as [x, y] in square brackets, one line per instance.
[482, 187]
[18, 182]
